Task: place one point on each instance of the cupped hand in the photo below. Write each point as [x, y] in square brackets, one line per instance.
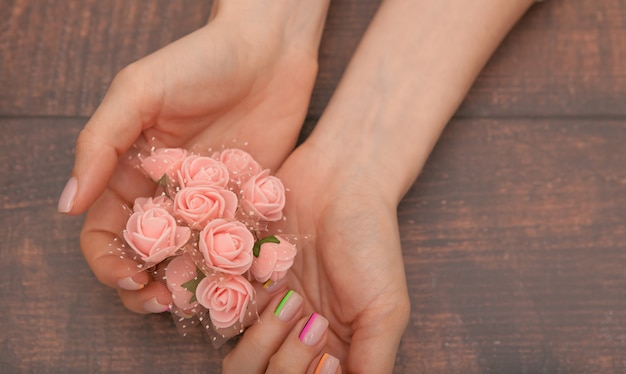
[230, 83]
[352, 271]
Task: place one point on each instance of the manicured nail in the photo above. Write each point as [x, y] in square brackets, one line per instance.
[328, 364]
[271, 286]
[66, 201]
[153, 306]
[313, 330]
[288, 306]
[268, 284]
[129, 284]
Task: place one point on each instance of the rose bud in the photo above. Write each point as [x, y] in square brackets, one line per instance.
[240, 163]
[273, 261]
[264, 197]
[203, 171]
[163, 161]
[227, 246]
[226, 297]
[154, 234]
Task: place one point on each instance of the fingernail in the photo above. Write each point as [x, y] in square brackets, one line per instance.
[288, 306]
[129, 284]
[268, 284]
[271, 286]
[328, 364]
[313, 330]
[66, 201]
[153, 306]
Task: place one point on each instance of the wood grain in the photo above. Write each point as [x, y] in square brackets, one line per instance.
[59, 57]
[564, 58]
[514, 234]
[514, 240]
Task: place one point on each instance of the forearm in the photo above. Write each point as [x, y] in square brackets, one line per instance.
[411, 71]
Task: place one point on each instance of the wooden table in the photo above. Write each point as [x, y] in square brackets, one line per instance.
[514, 235]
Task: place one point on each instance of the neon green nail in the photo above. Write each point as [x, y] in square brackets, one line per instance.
[282, 302]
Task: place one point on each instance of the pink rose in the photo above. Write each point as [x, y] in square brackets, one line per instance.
[240, 163]
[227, 246]
[226, 297]
[264, 196]
[179, 271]
[203, 171]
[163, 161]
[199, 205]
[144, 203]
[274, 260]
[154, 235]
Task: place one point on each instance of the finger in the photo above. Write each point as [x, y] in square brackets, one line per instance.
[111, 262]
[262, 340]
[128, 107]
[303, 344]
[153, 298]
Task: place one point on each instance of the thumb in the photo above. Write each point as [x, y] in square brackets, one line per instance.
[114, 127]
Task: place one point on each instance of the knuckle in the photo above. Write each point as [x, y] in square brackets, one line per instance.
[127, 77]
[86, 139]
[130, 302]
[103, 264]
[278, 365]
[130, 83]
[259, 344]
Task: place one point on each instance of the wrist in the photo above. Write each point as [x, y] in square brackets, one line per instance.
[409, 74]
[295, 24]
[371, 160]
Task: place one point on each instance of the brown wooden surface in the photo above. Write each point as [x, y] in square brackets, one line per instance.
[514, 235]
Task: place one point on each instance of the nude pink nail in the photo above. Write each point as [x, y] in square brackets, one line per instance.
[313, 330]
[328, 364]
[66, 201]
[129, 284]
[288, 306]
[153, 306]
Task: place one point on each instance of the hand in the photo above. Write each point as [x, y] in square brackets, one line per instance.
[227, 81]
[404, 82]
[352, 272]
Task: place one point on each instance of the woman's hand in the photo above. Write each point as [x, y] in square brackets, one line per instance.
[406, 79]
[244, 79]
[351, 272]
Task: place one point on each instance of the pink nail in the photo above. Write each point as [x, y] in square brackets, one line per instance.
[129, 284]
[313, 330]
[66, 201]
[271, 286]
[153, 306]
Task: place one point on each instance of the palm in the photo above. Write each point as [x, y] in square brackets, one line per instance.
[221, 95]
[348, 273]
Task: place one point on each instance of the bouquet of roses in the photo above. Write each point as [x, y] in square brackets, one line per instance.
[205, 234]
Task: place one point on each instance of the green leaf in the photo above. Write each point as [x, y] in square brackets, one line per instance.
[192, 285]
[256, 249]
[163, 181]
